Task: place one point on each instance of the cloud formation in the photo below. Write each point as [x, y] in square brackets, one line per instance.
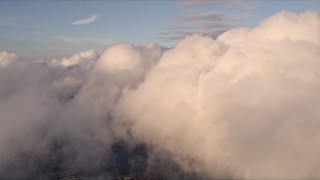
[242, 105]
[87, 20]
[234, 4]
[236, 101]
[7, 58]
[84, 59]
[206, 17]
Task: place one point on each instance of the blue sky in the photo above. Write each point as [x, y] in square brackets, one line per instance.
[43, 29]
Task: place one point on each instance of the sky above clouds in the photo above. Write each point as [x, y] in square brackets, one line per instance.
[52, 29]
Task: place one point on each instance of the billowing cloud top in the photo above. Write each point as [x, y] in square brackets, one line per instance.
[84, 59]
[7, 59]
[243, 105]
[86, 21]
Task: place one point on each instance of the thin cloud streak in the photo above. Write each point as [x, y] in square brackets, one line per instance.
[209, 22]
[203, 17]
[84, 39]
[233, 4]
[86, 21]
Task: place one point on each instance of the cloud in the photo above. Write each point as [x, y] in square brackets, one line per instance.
[8, 23]
[172, 36]
[86, 21]
[204, 17]
[83, 39]
[206, 23]
[7, 58]
[242, 105]
[238, 102]
[234, 4]
[207, 18]
[85, 59]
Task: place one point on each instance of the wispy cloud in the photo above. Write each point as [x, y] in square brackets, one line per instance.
[206, 17]
[234, 4]
[203, 17]
[10, 22]
[87, 20]
[83, 39]
[75, 39]
[174, 36]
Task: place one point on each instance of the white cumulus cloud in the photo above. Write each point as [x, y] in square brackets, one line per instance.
[247, 101]
[84, 59]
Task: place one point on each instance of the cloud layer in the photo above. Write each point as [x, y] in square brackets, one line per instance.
[235, 4]
[243, 105]
[86, 21]
[207, 19]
